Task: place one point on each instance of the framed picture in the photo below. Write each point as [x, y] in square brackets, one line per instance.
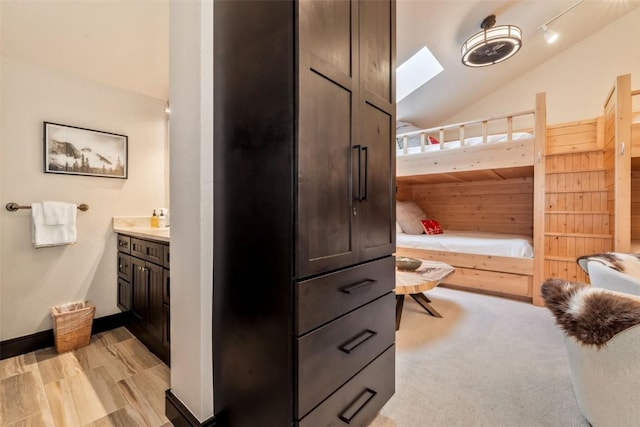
[78, 151]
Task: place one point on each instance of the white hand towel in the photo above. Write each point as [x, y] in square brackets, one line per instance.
[43, 235]
[56, 213]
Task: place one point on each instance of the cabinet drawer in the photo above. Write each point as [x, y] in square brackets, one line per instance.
[124, 244]
[324, 298]
[124, 266]
[345, 345]
[357, 402]
[153, 252]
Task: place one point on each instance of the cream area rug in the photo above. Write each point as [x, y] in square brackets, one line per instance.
[489, 361]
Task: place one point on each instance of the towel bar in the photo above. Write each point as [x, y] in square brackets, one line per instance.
[12, 207]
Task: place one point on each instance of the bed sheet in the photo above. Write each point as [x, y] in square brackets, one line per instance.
[470, 242]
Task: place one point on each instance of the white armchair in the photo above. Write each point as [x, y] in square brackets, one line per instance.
[605, 375]
[606, 381]
[605, 277]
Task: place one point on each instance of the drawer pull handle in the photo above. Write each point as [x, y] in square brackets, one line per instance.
[354, 342]
[357, 405]
[357, 286]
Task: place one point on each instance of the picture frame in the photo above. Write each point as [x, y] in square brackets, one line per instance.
[73, 150]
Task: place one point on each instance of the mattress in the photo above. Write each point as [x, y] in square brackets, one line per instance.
[470, 242]
[468, 142]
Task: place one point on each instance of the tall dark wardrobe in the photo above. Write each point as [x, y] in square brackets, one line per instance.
[304, 212]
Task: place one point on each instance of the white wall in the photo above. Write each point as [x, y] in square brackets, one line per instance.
[33, 280]
[191, 141]
[576, 81]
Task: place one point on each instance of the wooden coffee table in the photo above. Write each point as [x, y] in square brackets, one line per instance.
[414, 283]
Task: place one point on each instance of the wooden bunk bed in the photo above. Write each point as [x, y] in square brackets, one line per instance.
[622, 164]
[473, 184]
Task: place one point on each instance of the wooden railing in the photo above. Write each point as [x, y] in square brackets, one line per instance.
[443, 131]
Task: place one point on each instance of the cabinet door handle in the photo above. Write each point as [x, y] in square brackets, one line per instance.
[357, 286]
[366, 167]
[359, 148]
[356, 341]
[357, 405]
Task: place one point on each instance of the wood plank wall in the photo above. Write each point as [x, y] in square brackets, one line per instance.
[609, 158]
[502, 206]
[576, 215]
[635, 205]
[573, 137]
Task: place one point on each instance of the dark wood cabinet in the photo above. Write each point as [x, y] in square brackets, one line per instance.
[143, 292]
[124, 295]
[304, 211]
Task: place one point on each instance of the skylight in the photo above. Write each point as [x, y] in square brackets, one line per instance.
[415, 72]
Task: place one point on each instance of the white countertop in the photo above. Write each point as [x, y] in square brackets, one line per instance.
[139, 227]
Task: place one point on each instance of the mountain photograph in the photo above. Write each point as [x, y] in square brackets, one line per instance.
[72, 150]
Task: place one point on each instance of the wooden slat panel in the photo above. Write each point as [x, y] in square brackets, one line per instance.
[481, 262]
[622, 190]
[503, 283]
[467, 176]
[403, 193]
[609, 160]
[499, 206]
[572, 137]
[635, 205]
[565, 269]
[635, 140]
[576, 206]
[493, 156]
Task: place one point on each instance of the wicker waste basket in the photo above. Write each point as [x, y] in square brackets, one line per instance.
[72, 325]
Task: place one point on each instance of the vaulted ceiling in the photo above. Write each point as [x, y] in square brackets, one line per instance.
[445, 25]
[126, 43]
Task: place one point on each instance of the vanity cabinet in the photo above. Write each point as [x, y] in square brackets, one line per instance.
[143, 291]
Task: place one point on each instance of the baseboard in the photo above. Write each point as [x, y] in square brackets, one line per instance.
[180, 416]
[28, 343]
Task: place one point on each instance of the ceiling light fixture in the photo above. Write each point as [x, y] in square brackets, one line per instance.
[549, 35]
[492, 44]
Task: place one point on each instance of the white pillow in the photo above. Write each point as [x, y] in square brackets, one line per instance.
[409, 215]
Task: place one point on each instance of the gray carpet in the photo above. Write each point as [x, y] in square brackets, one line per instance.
[488, 362]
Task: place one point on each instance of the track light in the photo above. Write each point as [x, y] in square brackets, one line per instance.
[550, 36]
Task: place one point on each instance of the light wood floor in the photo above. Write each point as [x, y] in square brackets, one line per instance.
[114, 381]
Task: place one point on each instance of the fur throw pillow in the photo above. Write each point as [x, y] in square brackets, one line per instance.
[591, 315]
[625, 263]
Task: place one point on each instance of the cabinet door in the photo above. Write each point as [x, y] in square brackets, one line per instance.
[376, 219]
[166, 288]
[166, 326]
[155, 301]
[328, 79]
[139, 294]
[124, 295]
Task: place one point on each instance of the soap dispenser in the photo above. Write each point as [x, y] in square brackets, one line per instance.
[154, 220]
[162, 219]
